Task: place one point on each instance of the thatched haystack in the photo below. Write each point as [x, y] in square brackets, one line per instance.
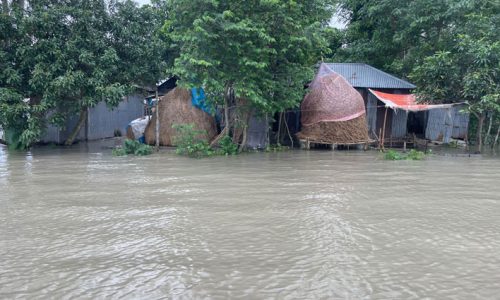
[333, 111]
[346, 132]
[176, 108]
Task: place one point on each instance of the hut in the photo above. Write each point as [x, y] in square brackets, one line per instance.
[437, 122]
[178, 107]
[333, 112]
[392, 111]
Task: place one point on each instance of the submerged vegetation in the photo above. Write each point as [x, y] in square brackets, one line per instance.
[190, 142]
[411, 155]
[133, 147]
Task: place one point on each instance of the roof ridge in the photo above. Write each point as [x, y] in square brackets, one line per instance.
[390, 75]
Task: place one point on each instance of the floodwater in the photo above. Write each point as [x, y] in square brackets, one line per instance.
[80, 223]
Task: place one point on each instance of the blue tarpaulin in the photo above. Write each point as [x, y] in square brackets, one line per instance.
[198, 100]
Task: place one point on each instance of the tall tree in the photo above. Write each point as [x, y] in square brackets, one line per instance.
[468, 70]
[261, 51]
[70, 55]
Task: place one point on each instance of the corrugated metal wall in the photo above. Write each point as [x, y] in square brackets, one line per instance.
[460, 122]
[102, 122]
[447, 123]
[399, 123]
[257, 131]
[439, 125]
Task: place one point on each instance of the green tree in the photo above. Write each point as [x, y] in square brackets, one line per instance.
[469, 70]
[67, 56]
[449, 48]
[17, 117]
[261, 51]
[397, 35]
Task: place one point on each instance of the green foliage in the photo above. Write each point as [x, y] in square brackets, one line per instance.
[264, 50]
[449, 48]
[227, 147]
[133, 147]
[415, 155]
[190, 141]
[119, 151]
[411, 155]
[393, 155]
[66, 56]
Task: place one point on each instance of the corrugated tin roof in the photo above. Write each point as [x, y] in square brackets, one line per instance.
[365, 76]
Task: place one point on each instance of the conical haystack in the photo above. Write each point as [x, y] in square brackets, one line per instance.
[176, 108]
[333, 111]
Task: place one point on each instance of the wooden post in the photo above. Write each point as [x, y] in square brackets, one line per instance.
[383, 130]
[157, 129]
[380, 139]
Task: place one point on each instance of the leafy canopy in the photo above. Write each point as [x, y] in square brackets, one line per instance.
[263, 49]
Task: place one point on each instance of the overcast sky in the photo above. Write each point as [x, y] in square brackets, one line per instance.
[142, 1]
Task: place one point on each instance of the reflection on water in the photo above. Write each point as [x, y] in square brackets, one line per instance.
[81, 223]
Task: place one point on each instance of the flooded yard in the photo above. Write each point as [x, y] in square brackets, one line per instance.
[80, 223]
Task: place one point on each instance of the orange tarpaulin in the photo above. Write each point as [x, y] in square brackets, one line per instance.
[405, 101]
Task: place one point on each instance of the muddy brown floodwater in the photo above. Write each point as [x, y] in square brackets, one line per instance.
[80, 223]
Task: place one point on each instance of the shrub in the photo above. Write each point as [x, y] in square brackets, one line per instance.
[133, 147]
[412, 155]
[227, 147]
[189, 141]
[393, 155]
[415, 155]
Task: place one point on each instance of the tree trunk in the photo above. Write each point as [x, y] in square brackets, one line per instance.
[479, 134]
[268, 135]
[226, 115]
[228, 101]
[288, 130]
[279, 130]
[243, 139]
[81, 121]
[496, 138]
[488, 132]
[157, 127]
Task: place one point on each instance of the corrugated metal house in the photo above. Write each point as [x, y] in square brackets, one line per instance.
[434, 122]
[364, 77]
[102, 122]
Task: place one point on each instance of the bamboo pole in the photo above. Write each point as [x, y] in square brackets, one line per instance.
[383, 130]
